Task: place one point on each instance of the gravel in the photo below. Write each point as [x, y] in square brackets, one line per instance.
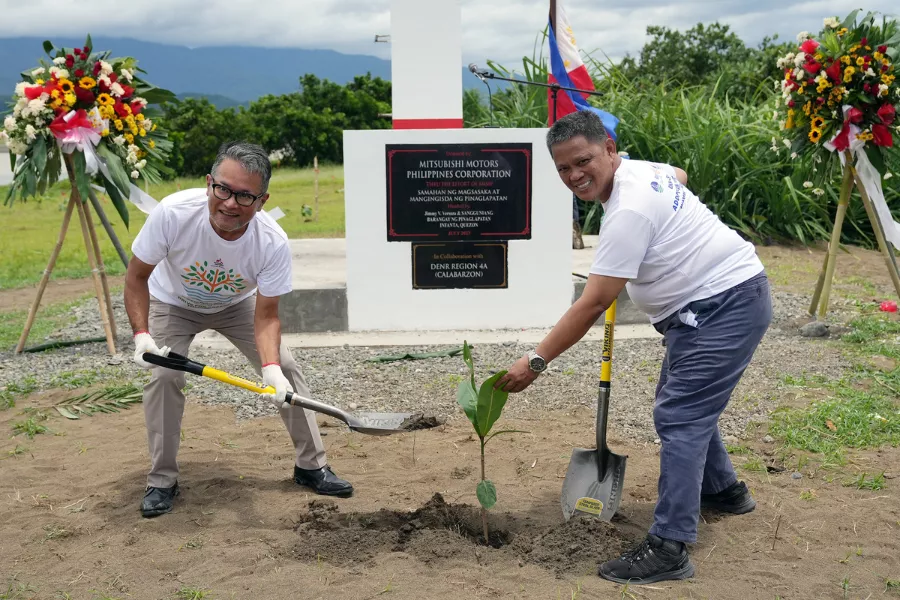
[343, 377]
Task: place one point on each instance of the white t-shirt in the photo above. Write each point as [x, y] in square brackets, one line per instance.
[668, 244]
[198, 270]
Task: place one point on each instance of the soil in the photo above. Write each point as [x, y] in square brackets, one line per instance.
[242, 529]
[419, 421]
[57, 290]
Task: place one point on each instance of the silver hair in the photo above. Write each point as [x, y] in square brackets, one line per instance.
[581, 122]
[252, 157]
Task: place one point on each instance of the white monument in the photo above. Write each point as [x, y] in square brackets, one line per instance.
[446, 227]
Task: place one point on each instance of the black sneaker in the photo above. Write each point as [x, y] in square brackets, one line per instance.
[158, 501]
[655, 559]
[323, 481]
[735, 499]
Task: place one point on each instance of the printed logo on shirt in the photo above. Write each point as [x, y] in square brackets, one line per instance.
[212, 286]
[656, 186]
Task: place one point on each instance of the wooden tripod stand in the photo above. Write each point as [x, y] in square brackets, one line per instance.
[823, 286]
[95, 259]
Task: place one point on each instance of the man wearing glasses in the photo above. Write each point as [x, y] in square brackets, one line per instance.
[211, 259]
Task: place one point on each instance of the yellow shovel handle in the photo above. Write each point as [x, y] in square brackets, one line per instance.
[237, 381]
[606, 358]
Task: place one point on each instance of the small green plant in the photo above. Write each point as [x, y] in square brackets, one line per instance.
[108, 400]
[191, 593]
[807, 495]
[876, 482]
[482, 405]
[30, 427]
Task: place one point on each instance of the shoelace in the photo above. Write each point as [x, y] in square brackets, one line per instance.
[637, 554]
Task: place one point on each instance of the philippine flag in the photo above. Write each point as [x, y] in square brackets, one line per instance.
[568, 70]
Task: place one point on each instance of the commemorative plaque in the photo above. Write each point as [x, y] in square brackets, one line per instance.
[454, 265]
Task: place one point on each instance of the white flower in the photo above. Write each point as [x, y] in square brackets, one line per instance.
[882, 90]
[817, 158]
[799, 75]
[807, 184]
[117, 90]
[104, 79]
[147, 124]
[20, 88]
[786, 142]
[20, 104]
[831, 23]
[140, 100]
[800, 59]
[127, 74]
[3, 136]
[119, 140]
[142, 164]
[888, 175]
[105, 68]
[802, 36]
[16, 146]
[870, 72]
[774, 144]
[30, 133]
[9, 124]
[59, 60]
[38, 71]
[60, 73]
[135, 174]
[793, 156]
[819, 192]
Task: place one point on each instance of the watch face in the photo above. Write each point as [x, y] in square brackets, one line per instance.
[537, 364]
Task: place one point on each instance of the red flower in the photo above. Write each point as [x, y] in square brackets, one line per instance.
[79, 73]
[809, 46]
[33, 92]
[813, 67]
[882, 49]
[70, 60]
[97, 68]
[864, 41]
[127, 91]
[120, 109]
[113, 77]
[882, 136]
[867, 88]
[887, 113]
[854, 115]
[884, 67]
[102, 85]
[791, 104]
[84, 95]
[820, 100]
[834, 71]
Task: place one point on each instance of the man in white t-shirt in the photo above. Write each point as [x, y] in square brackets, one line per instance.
[210, 258]
[703, 288]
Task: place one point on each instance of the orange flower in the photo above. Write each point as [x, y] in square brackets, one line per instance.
[87, 83]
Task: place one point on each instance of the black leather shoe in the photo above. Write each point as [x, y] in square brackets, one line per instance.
[323, 481]
[158, 501]
[735, 499]
[655, 559]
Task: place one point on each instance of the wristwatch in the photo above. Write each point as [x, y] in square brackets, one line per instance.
[536, 362]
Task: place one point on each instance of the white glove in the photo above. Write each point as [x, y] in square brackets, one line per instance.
[272, 376]
[144, 343]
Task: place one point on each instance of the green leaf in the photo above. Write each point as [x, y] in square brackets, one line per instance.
[467, 358]
[39, 155]
[893, 52]
[851, 18]
[12, 162]
[116, 170]
[116, 199]
[490, 404]
[487, 494]
[82, 179]
[88, 43]
[876, 158]
[467, 397]
[496, 433]
[48, 48]
[66, 413]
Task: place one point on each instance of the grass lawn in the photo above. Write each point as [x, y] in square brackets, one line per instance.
[31, 229]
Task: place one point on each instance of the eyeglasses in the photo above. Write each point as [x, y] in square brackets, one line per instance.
[224, 193]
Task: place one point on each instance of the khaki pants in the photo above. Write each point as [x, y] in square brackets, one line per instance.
[164, 400]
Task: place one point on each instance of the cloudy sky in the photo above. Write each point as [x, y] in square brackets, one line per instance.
[501, 30]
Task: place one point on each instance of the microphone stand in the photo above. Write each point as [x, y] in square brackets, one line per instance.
[554, 87]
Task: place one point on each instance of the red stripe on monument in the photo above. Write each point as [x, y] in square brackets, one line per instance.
[428, 123]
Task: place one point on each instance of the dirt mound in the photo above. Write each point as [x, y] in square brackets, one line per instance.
[440, 531]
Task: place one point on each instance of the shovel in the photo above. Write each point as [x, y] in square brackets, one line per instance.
[368, 423]
[595, 478]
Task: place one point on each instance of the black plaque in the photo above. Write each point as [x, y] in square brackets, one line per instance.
[458, 192]
[459, 265]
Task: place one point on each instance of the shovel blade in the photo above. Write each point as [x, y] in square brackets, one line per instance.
[587, 491]
[377, 423]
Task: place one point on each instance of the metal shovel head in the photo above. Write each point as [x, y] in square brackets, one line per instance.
[378, 423]
[586, 490]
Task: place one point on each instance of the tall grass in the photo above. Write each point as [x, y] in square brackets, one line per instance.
[725, 146]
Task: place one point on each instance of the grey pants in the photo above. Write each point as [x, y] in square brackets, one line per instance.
[709, 344]
[164, 400]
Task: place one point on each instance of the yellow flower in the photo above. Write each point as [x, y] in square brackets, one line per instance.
[877, 55]
[153, 128]
[87, 83]
[152, 144]
[55, 103]
[815, 135]
[129, 138]
[887, 79]
[142, 132]
[807, 107]
[860, 61]
[865, 136]
[818, 122]
[70, 99]
[848, 74]
[139, 117]
[39, 81]
[107, 112]
[842, 31]
[105, 99]
[118, 124]
[66, 86]
[845, 59]
[104, 133]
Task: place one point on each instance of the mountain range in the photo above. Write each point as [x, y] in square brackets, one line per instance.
[226, 75]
